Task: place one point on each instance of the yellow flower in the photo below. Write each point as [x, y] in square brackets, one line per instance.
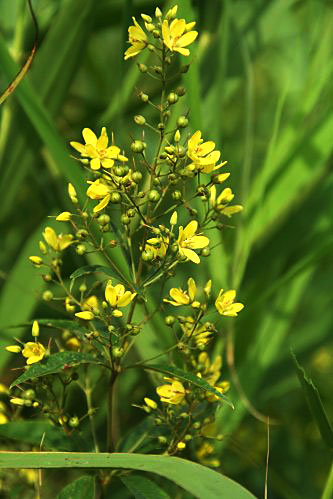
[225, 303]
[91, 304]
[97, 149]
[202, 154]
[58, 243]
[201, 333]
[188, 240]
[173, 393]
[181, 297]
[13, 348]
[72, 193]
[150, 403]
[99, 190]
[158, 246]
[116, 296]
[65, 216]
[3, 418]
[33, 351]
[36, 260]
[176, 36]
[86, 315]
[137, 38]
[220, 203]
[211, 371]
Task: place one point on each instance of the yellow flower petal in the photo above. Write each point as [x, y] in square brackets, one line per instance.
[86, 315]
[95, 164]
[100, 206]
[89, 136]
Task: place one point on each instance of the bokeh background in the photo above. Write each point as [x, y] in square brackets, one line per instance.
[260, 86]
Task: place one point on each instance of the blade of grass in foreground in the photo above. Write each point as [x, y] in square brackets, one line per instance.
[195, 478]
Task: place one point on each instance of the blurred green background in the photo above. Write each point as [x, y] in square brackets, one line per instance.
[260, 86]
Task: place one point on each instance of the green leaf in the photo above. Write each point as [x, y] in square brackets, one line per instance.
[143, 488]
[81, 488]
[315, 404]
[200, 481]
[34, 432]
[55, 363]
[191, 378]
[328, 489]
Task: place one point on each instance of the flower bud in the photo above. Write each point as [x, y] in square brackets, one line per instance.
[81, 249]
[169, 320]
[81, 234]
[74, 422]
[13, 349]
[156, 33]
[36, 260]
[144, 97]
[119, 171]
[137, 177]
[180, 91]
[205, 252]
[181, 445]
[125, 219]
[150, 27]
[182, 122]
[47, 277]
[139, 119]
[65, 216]
[117, 352]
[137, 146]
[103, 219]
[162, 440]
[115, 197]
[157, 69]
[150, 403]
[29, 394]
[142, 68]
[158, 13]
[117, 313]
[47, 295]
[171, 13]
[86, 315]
[176, 195]
[72, 193]
[188, 437]
[147, 255]
[42, 247]
[153, 196]
[35, 329]
[172, 98]
[146, 18]
[160, 126]
[17, 401]
[177, 136]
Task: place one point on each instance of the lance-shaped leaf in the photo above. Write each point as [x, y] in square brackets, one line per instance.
[142, 487]
[83, 487]
[315, 404]
[198, 480]
[55, 363]
[175, 372]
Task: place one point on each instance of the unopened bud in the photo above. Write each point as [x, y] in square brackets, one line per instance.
[139, 119]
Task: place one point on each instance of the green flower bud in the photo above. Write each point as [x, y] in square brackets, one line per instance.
[182, 122]
[188, 437]
[160, 126]
[47, 295]
[158, 421]
[47, 277]
[117, 352]
[181, 151]
[139, 119]
[180, 91]
[167, 114]
[172, 98]
[142, 68]
[205, 252]
[162, 440]
[81, 249]
[119, 171]
[137, 146]
[83, 288]
[125, 219]
[158, 70]
[196, 425]
[163, 155]
[103, 219]
[81, 234]
[137, 177]
[74, 422]
[153, 196]
[169, 320]
[147, 255]
[156, 33]
[176, 195]
[156, 181]
[144, 97]
[29, 394]
[105, 228]
[115, 197]
[172, 178]
[131, 213]
[177, 136]
[141, 194]
[184, 415]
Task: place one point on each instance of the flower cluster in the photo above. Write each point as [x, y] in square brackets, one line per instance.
[138, 222]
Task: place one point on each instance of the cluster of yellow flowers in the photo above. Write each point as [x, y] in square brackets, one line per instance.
[128, 197]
